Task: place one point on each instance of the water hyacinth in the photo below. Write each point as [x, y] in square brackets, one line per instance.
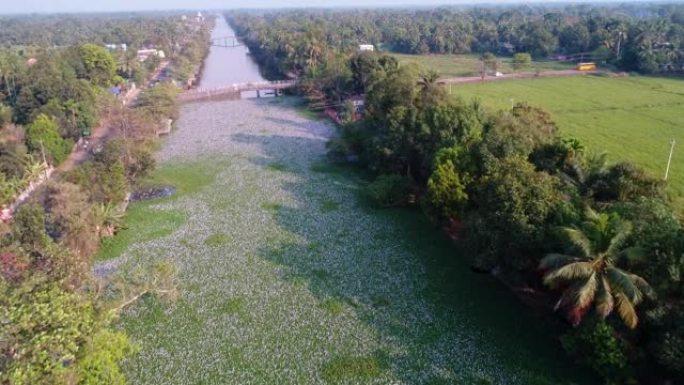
[294, 289]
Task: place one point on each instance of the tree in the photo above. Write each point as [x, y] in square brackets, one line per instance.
[521, 61]
[41, 329]
[429, 89]
[489, 62]
[99, 64]
[592, 277]
[43, 135]
[159, 102]
[446, 189]
[514, 205]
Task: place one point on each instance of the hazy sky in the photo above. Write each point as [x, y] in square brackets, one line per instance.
[23, 6]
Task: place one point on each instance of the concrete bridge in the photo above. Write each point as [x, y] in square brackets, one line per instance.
[226, 42]
[234, 92]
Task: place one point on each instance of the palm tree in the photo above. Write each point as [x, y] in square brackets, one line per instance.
[584, 169]
[430, 90]
[592, 277]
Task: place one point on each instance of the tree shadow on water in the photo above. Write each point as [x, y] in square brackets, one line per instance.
[435, 320]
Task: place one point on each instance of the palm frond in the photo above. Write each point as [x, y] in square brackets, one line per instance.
[634, 254]
[623, 231]
[621, 281]
[586, 292]
[626, 310]
[569, 272]
[554, 261]
[580, 240]
[643, 286]
[604, 299]
[591, 214]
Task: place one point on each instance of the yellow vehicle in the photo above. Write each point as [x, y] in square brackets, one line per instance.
[586, 67]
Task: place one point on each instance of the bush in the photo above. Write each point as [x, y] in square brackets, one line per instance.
[43, 135]
[5, 115]
[521, 60]
[70, 221]
[349, 144]
[98, 362]
[594, 344]
[666, 332]
[104, 183]
[41, 327]
[446, 189]
[389, 191]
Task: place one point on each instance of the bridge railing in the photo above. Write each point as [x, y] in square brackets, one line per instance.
[240, 87]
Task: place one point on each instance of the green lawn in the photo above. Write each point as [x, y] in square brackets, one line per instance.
[468, 65]
[632, 118]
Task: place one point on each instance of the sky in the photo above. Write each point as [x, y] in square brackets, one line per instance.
[51, 6]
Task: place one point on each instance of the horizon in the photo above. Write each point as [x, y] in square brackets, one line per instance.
[109, 6]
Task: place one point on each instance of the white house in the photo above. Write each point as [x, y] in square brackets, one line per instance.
[143, 54]
[366, 47]
[114, 47]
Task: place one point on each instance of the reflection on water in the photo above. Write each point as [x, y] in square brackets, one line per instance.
[227, 66]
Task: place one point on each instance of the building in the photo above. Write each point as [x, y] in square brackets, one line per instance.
[144, 54]
[115, 47]
[366, 47]
[200, 17]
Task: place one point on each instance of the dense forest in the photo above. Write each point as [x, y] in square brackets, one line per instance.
[646, 38]
[59, 86]
[599, 243]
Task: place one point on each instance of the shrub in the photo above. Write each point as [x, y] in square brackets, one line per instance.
[446, 190]
[105, 183]
[43, 135]
[666, 345]
[521, 60]
[98, 361]
[389, 191]
[70, 221]
[42, 325]
[5, 115]
[594, 344]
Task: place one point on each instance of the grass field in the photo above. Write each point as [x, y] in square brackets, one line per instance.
[632, 118]
[469, 65]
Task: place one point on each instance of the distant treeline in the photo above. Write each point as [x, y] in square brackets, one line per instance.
[639, 37]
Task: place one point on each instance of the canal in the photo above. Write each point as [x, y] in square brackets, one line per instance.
[286, 277]
[225, 66]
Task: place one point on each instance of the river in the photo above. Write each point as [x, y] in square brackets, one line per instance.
[226, 66]
[285, 277]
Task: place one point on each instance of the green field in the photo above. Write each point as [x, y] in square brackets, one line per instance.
[469, 65]
[632, 118]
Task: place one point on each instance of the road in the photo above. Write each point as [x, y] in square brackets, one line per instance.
[103, 131]
[517, 75]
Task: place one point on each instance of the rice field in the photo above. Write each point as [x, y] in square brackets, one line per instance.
[633, 118]
[287, 277]
[469, 65]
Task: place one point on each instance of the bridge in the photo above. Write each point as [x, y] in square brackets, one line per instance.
[225, 42]
[234, 92]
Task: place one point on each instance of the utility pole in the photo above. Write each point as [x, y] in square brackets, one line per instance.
[669, 160]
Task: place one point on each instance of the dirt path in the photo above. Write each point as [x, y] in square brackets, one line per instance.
[513, 76]
[101, 133]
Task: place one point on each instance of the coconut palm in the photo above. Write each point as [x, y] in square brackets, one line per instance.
[592, 277]
[429, 88]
